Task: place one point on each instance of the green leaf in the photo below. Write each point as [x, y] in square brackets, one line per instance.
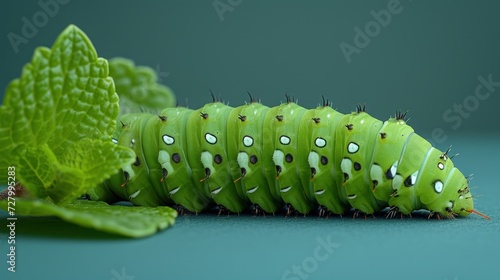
[138, 87]
[123, 220]
[88, 163]
[41, 172]
[56, 118]
[83, 165]
[56, 123]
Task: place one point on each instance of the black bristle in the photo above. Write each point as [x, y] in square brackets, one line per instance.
[213, 96]
[400, 116]
[360, 108]
[252, 99]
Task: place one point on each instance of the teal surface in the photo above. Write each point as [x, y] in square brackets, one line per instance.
[430, 59]
[247, 247]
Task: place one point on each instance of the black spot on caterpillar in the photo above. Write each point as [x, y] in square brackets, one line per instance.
[284, 156]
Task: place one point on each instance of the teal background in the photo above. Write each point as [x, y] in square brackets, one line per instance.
[427, 59]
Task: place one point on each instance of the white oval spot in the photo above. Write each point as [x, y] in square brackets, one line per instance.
[351, 196]
[394, 168]
[376, 173]
[134, 195]
[285, 140]
[320, 192]
[211, 139]
[169, 140]
[414, 177]
[352, 148]
[441, 165]
[252, 190]
[175, 190]
[114, 140]
[438, 186]
[286, 189]
[216, 191]
[247, 141]
[132, 142]
[346, 166]
[320, 142]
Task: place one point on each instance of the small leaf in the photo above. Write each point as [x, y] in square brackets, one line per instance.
[86, 164]
[123, 220]
[41, 169]
[138, 87]
[56, 123]
[55, 117]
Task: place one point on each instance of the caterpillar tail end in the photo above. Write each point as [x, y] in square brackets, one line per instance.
[472, 211]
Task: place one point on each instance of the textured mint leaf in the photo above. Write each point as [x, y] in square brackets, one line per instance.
[138, 88]
[65, 95]
[41, 173]
[56, 123]
[84, 165]
[122, 220]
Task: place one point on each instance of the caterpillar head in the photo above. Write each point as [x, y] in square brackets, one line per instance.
[464, 203]
[455, 198]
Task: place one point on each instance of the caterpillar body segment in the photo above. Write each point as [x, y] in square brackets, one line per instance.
[283, 155]
[207, 138]
[140, 189]
[405, 182]
[177, 174]
[389, 145]
[319, 128]
[359, 143]
[282, 141]
[246, 156]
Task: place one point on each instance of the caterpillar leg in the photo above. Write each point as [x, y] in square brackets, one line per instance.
[323, 211]
[289, 210]
[358, 212]
[432, 214]
[223, 210]
[394, 212]
[181, 210]
[256, 210]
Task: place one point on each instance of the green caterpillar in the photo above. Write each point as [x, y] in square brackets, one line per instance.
[284, 156]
